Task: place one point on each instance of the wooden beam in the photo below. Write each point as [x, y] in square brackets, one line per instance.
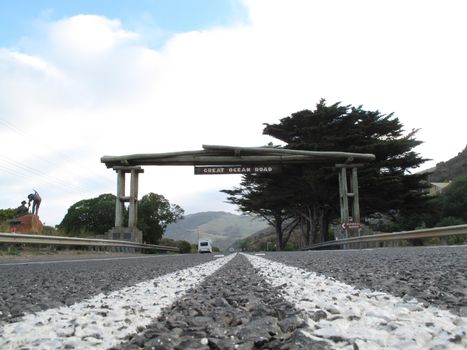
[212, 154]
[351, 165]
[344, 195]
[112, 162]
[274, 150]
[127, 169]
[356, 199]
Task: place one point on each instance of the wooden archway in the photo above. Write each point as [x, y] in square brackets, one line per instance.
[241, 158]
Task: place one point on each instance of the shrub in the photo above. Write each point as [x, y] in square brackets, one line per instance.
[184, 246]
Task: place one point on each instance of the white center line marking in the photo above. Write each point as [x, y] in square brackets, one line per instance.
[104, 320]
[344, 316]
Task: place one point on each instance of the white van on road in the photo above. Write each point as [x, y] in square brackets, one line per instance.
[204, 247]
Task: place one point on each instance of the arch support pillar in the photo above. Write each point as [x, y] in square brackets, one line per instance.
[349, 200]
[131, 232]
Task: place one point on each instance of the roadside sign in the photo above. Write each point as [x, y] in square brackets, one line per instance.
[235, 169]
[354, 225]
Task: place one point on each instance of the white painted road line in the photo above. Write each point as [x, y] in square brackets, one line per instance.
[104, 320]
[371, 320]
[43, 262]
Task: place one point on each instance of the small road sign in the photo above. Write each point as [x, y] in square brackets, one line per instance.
[354, 225]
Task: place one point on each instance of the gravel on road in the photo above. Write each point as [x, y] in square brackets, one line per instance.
[232, 309]
[28, 286]
[279, 303]
[433, 275]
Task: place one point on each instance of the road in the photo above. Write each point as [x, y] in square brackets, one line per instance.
[411, 298]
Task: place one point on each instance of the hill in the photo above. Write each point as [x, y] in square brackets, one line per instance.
[265, 239]
[222, 228]
[449, 170]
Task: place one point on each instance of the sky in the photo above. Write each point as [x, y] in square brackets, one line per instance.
[84, 79]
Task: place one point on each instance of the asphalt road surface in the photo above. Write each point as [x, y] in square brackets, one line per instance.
[411, 298]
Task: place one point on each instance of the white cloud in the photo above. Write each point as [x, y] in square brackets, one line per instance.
[28, 62]
[87, 37]
[90, 88]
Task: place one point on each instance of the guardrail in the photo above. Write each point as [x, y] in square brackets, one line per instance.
[19, 238]
[394, 236]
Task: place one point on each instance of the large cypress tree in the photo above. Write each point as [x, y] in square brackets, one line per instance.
[387, 184]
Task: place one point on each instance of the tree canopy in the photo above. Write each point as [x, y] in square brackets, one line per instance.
[154, 214]
[453, 202]
[97, 215]
[6, 214]
[387, 181]
[90, 216]
[308, 193]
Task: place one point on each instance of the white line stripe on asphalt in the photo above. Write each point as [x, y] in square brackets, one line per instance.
[370, 320]
[104, 320]
[82, 260]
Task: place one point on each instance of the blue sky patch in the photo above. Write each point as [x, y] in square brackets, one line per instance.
[154, 19]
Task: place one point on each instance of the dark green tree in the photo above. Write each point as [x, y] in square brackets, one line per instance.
[268, 196]
[453, 202]
[97, 215]
[184, 246]
[154, 214]
[387, 182]
[90, 216]
[6, 214]
[311, 190]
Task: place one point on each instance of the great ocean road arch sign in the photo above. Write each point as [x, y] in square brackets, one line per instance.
[217, 160]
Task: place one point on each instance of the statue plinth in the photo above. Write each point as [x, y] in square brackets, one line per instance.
[28, 223]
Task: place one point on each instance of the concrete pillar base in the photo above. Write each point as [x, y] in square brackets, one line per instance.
[131, 234]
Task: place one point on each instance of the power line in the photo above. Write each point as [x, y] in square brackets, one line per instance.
[25, 171]
[62, 155]
[97, 178]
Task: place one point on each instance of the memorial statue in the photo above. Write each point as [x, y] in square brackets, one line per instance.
[21, 210]
[36, 202]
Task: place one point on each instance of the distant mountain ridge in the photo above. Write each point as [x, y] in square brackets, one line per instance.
[222, 228]
[449, 170]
